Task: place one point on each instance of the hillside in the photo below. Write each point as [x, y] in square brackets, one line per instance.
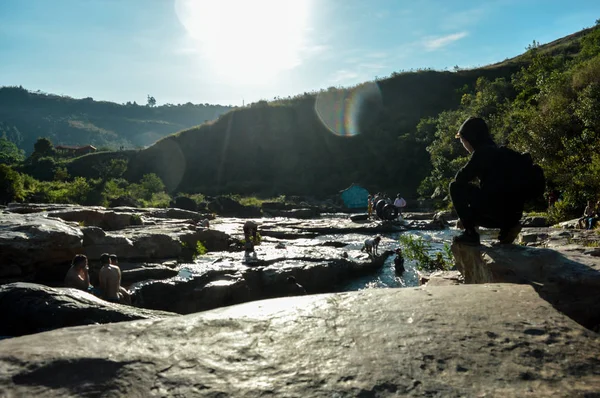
[25, 116]
[545, 102]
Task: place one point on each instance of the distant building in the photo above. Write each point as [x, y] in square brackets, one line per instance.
[355, 197]
[75, 150]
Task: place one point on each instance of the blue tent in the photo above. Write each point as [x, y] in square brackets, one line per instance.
[355, 197]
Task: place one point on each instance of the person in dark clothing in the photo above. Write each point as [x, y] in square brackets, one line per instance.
[399, 261]
[496, 202]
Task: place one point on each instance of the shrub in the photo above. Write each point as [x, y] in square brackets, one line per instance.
[11, 185]
[419, 249]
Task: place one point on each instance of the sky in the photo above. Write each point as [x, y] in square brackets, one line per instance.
[231, 52]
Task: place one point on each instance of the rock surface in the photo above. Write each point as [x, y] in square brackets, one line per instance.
[30, 241]
[226, 281]
[568, 277]
[455, 341]
[27, 308]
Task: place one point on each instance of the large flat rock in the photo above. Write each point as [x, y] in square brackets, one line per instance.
[27, 308]
[451, 341]
[29, 242]
[567, 276]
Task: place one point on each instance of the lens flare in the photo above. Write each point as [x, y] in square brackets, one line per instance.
[345, 112]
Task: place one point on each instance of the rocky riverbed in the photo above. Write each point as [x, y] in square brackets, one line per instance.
[534, 345]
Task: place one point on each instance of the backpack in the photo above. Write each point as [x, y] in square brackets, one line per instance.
[526, 178]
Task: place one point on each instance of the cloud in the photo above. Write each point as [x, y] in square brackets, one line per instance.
[344, 76]
[435, 43]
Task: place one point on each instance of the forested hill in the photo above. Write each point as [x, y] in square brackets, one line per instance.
[546, 102]
[25, 116]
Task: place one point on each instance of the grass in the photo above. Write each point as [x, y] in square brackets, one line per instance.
[254, 201]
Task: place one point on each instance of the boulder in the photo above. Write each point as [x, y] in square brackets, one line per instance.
[124, 201]
[441, 278]
[269, 206]
[570, 224]
[33, 243]
[535, 222]
[185, 203]
[225, 206]
[359, 217]
[566, 277]
[450, 341]
[27, 308]
[106, 219]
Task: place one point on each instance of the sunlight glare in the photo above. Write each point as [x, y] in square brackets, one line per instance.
[345, 111]
[247, 40]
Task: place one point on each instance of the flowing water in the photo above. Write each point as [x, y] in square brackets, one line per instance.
[386, 276]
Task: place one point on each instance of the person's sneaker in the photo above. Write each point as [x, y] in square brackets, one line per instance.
[467, 238]
[508, 235]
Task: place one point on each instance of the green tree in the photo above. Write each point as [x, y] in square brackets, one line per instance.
[43, 147]
[9, 152]
[151, 101]
[152, 183]
[11, 185]
[111, 170]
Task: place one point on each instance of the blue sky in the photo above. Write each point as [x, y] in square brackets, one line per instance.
[226, 51]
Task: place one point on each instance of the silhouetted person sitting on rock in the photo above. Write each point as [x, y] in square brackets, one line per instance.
[294, 288]
[78, 276]
[110, 281]
[495, 203]
[399, 261]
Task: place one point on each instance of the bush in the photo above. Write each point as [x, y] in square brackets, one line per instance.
[11, 185]
[419, 249]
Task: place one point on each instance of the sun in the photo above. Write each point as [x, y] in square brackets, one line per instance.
[250, 40]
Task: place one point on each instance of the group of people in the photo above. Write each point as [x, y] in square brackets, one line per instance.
[591, 215]
[384, 207]
[109, 278]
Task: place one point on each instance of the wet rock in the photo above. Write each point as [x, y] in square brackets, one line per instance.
[359, 217]
[29, 208]
[317, 269]
[305, 213]
[441, 278]
[566, 277]
[146, 273]
[27, 308]
[419, 216]
[177, 214]
[441, 341]
[33, 242]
